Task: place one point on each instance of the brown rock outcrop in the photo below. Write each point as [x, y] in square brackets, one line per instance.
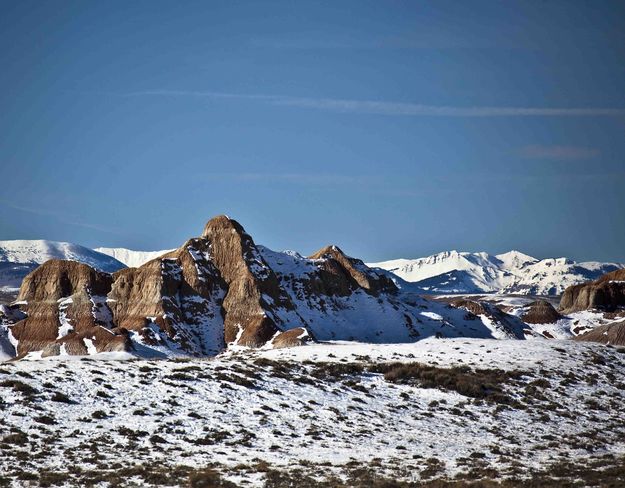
[174, 300]
[506, 322]
[341, 274]
[251, 284]
[65, 303]
[214, 290]
[606, 293]
[290, 338]
[57, 279]
[476, 308]
[613, 334]
[541, 312]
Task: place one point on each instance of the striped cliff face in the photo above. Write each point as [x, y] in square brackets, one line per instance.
[218, 291]
[605, 293]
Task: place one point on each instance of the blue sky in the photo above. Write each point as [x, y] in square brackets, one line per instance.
[393, 129]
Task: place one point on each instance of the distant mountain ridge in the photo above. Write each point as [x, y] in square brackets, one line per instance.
[132, 259]
[20, 257]
[480, 272]
[442, 273]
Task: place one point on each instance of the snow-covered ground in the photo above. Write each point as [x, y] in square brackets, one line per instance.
[316, 411]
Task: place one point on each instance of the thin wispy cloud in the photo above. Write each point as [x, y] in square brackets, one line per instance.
[60, 217]
[560, 153]
[388, 107]
[381, 185]
[413, 41]
[315, 179]
[397, 42]
[371, 185]
[311, 44]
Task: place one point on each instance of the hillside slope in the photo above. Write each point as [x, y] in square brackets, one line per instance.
[306, 415]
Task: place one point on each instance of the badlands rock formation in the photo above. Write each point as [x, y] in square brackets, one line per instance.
[488, 311]
[605, 293]
[613, 334]
[66, 311]
[221, 290]
[540, 312]
[20, 257]
[604, 296]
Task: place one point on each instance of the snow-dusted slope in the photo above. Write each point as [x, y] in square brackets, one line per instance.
[552, 276]
[320, 412]
[40, 251]
[20, 257]
[361, 316]
[511, 272]
[132, 259]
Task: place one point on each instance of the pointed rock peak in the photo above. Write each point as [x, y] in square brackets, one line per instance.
[232, 247]
[357, 272]
[250, 283]
[222, 223]
[333, 251]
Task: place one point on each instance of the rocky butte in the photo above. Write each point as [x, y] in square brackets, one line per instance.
[221, 290]
[606, 294]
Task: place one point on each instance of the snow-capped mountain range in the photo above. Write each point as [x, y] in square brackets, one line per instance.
[20, 257]
[132, 259]
[445, 272]
[480, 272]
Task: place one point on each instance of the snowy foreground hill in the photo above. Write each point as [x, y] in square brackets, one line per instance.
[512, 272]
[20, 257]
[431, 413]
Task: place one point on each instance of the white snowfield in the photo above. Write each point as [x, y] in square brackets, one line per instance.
[246, 413]
[132, 259]
[40, 251]
[511, 272]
